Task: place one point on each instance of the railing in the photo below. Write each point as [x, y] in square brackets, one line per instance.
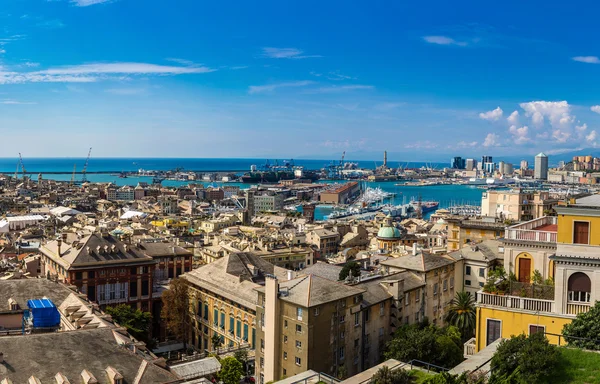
[470, 347]
[526, 232]
[577, 308]
[524, 303]
[318, 378]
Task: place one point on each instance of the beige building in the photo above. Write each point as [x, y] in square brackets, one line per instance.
[288, 257]
[308, 323]
[438, 274]
[516, 204]
[223, 221]
[477, 259]
[325, 239]
[463, 231]
[224, 300]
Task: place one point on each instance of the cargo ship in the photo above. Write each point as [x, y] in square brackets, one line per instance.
[275, 173]
[426, 206]
[267, 176]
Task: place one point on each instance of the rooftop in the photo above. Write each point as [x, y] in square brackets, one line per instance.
[45, 355]
[26, 289]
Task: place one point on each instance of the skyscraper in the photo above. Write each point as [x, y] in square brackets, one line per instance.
[457, 163]
[486, 159]
[541, 167]
[524, 164]
[471, 164]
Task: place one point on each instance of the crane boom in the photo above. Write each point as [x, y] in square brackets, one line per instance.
[73, 175]
[84, 171]
[22, 165]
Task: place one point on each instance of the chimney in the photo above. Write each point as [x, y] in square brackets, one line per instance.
[1, 357]
[88, 378]
[6, 381]
[34, 380]
[414, 250]
[272, 315]
[61, 379]
[114, 377]
[64, 237]
[58, 244]
[290, 275]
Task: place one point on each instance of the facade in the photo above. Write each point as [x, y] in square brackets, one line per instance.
[470, 164]
[214, 194]
[573, 268]
[541, 167]
[324, 239]
[457, 163]
[340, 195]
[289, 257]
[516, 204]
[477, 260]
[524, 165]
[463, 231]
[268, 202]
[224, 300]
[308, 322]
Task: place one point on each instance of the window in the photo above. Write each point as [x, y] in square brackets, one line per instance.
[133, 271]
[367, 311]
[299, 313]
[298, 344]
[381, 309]
[445, 285]
[216, 316]
[317, 311]
[579, 287]
[581, 230]
[536, 328]
[284, 372]
[145, 287]
[468, 270]
[262, 362]
[133, 288]
[356, 319]
[298, 328]
[481, 284]
[245, 336]
[468, 282]
[342, 352]
[407, 299]
[417, 316]
[123, 290]
[342, 335]
[205, 312]
[343, 302]
[284, 355]
[493, 330]
[239, 328]
[481, 272]
[231, 325]
[342, 319]
[78, 275]
[285, 339]
[356, 343]
[298, 361]
[285, 323]
[435, 289]
[417, 295]
[451, 282]
[381, 331]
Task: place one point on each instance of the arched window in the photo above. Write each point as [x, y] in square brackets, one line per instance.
[579, 287]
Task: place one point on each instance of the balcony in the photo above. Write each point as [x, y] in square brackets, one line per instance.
[470, 347]
[543, 230]
[529, 304]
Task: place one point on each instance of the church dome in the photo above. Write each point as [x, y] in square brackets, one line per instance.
[389, 233]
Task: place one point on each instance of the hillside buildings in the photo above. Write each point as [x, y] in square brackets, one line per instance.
[516, 204]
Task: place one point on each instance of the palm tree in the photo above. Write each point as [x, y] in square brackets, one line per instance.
[461, 313]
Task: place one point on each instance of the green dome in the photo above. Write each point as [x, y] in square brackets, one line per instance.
[389, 233]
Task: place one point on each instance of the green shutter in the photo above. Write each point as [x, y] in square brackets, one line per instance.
[231, 321]
[222, 320]
[216, 316]
[245, 332]
[239, 329]
[206, 312]
[253, 338]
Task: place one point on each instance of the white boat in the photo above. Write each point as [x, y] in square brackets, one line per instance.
[477, 181]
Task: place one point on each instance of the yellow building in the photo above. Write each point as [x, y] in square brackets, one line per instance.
[573, 267]
[463, 231]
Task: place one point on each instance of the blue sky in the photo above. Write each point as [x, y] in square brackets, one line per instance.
[297, 79]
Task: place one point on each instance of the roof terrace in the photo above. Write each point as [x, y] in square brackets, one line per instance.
[543, 229]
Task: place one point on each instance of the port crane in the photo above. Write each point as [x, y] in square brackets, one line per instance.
[84, 171]
[73, 175]
[22, 165]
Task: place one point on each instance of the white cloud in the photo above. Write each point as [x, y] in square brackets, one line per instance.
[513, 118]
[93, 72]
[87, 3]
[519, 134]
[285, 53]
[31, 64]
[464, 144]
[271, 87]
[587, 59]
[341, 88]
[558, 113]
[494, 115]
[337, 76]
[491, 140]
[581, 129]
[591, 137]
[2, 50]
[444, 40]
[422, 145]
[15, 102]
[560, 136]
[595, 108]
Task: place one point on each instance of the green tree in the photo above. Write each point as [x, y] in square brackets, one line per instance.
[241, 355]
[135, 321]
[216, 341]
[352, 268]
[586, 326]
[176, 309]
[439, 346]
[386, 376]
[231, 370]
[462, 315]
[533, 358]
[447, 378]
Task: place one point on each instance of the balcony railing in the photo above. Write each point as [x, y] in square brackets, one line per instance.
[470, 347]
[514, 302]
[577, 308]
[526, 231]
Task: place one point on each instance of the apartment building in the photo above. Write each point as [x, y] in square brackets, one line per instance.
[268, 202]
[517, 204]
[463, 231]
[477, 260]
[305, 323]
[340, 195]
[526, 308]
[326, 240]
[224, 300]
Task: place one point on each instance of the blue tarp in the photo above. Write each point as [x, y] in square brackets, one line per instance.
[44, 313]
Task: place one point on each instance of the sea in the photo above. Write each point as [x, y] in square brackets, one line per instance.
[446, 195]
